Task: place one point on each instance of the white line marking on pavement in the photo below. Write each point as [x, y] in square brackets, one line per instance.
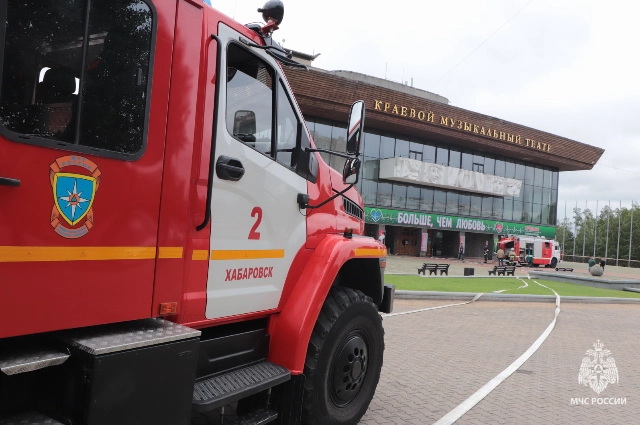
[434, 308]
[475, 398]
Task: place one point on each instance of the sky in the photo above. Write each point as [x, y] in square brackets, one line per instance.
[570, 67]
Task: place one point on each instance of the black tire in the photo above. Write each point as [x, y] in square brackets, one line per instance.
[344, 359]
[554, 263]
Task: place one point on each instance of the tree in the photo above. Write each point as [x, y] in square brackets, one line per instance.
[564, 235]
[581, 231]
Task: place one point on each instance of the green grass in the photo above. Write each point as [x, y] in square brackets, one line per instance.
[487, 285]
[570, 290]
[451, 284]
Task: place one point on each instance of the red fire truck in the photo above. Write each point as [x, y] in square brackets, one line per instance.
[171, 241]
[532, 251]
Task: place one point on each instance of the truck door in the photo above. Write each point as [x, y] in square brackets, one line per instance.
[79, 183]
[547, 253]
[537, 249]
[256, 225]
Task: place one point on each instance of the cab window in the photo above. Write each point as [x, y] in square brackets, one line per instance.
[77, 83]
[259, 111]
[249, 99]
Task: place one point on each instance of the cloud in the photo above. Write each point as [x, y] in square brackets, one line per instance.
[569, 68]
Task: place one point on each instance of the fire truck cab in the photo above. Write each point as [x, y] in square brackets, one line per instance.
[171, 241]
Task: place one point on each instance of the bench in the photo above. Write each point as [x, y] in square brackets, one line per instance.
[496, 269]
[564, 269]
[444, 269]
[503, 270]
[433, 269]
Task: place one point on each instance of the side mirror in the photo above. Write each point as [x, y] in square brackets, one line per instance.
[356, 128]
[351, 171]
[244, 123]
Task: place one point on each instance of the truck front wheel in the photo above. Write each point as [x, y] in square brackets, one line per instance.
[344, 359]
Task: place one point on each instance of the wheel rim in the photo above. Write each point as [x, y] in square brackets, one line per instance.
[349, 368]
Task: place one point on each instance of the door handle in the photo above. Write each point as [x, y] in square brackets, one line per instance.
[228, 168]
[4, 181]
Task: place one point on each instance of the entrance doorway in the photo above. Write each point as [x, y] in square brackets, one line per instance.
[475, 243]
[450, 243]
[435, 246]
[407, 241]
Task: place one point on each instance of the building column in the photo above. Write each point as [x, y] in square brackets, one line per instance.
[424, 242]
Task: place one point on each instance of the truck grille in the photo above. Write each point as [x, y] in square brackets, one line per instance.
[352, 208]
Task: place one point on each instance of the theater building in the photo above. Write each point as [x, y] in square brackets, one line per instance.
[438, 176]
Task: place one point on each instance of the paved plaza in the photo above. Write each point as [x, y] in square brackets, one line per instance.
[435, 360]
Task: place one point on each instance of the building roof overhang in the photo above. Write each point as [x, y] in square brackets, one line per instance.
[323, 95]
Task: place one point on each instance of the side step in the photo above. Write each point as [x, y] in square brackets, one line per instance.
[228, 387]
[30, 418]
[25, 359]
[259, 418]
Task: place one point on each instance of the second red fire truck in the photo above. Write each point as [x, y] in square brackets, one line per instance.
[532, 251]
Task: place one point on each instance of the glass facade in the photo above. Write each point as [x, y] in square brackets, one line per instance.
[537, 203]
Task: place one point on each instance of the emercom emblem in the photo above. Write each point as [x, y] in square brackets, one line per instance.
[598, 369]
[74, 192]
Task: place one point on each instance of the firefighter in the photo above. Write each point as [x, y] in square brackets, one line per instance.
[500, 254]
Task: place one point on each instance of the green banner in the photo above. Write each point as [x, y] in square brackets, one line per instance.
[448, 222]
